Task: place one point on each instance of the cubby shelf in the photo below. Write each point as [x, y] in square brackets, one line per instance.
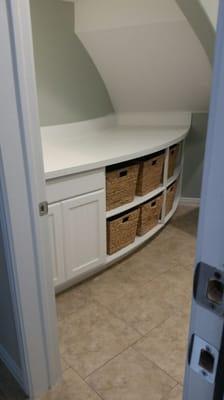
[142, 199]
[175, 176]
[136, 202]
[139, 240]
[168, 216]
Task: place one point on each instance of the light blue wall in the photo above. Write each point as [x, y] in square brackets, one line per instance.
[69, 86]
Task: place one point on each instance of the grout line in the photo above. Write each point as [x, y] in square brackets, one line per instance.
[178, 384]
[94, 390]
[83, 380]
[148, 358]
[157, 366]
[120, 319]
[111, 359]
[128, 325]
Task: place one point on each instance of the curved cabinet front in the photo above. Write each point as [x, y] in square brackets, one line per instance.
[78, 221]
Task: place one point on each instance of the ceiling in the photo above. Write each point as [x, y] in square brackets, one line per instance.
[147, 54]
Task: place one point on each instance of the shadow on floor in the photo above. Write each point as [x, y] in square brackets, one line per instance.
[9, 388]
[187, 221]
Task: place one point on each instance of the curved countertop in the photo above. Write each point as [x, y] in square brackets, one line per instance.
[67, 151]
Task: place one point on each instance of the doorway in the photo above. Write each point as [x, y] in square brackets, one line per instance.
[127, 315]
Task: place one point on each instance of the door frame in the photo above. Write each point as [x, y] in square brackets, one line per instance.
[206, 324]
[31, 288]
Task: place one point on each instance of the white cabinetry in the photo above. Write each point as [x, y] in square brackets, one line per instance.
[56, 242]
[77, 225]
[78, 218]
[85, 233]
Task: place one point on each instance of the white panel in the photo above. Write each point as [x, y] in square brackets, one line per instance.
[158, 67]
[56, 242]
[84, 228]
[74, 185]
[107, 14]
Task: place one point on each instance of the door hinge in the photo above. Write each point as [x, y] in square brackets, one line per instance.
[43, 208]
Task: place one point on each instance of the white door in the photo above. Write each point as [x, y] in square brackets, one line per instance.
[204, 378]
[84, 233]
[56, 242]
[22, 188]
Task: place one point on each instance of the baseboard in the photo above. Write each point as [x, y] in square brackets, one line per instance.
[190, 201]
[11, 365]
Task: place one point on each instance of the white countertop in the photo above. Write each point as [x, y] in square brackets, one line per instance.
[67, 151]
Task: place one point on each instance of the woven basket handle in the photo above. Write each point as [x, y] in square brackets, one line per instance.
[125, 219]
[122, 173]
[153, 204]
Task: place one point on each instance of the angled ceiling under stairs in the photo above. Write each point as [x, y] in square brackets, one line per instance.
[148, 53]
[202, 16]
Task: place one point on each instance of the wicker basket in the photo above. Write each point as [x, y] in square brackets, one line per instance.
[173, 154]
[170, 196]
[149, 216]
[150, 173]
[121, 231]
[121, 186]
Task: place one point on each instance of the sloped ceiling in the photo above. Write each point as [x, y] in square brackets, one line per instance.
[202, 16]
[211, 9]
[147, 54]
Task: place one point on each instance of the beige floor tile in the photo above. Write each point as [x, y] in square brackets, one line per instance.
[143, 304]
[166, 346]
[130, 376]
[175, 394]
[146, 306]
[142, 267]
[64, 365]
[152, 304]
[107, 287]
[71, 388]
[170, 251]
[174, 288]
[147, 290]
[142, 309]
[92, 336]
[70, 301]
[179, 278]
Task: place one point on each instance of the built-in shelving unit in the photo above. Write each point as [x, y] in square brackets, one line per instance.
[138, 200]
[76, 190]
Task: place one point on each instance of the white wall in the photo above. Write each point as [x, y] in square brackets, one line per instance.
[147, 54]
[92, 15]
[211, 9]
[69, 86]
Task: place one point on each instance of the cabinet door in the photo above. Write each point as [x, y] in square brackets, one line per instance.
[85, 233]
[56, 242]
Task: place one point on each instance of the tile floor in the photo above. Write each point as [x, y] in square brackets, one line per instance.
[123, 333]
